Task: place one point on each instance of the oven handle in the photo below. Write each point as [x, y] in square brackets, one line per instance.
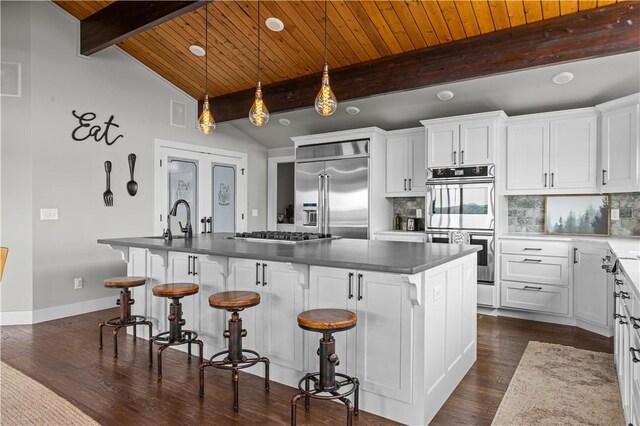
[458, 182]
[481, 233]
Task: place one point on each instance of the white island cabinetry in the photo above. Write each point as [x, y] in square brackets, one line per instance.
[415, 338]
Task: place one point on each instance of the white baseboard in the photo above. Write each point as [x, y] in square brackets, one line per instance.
[56, 312]
[536, 316]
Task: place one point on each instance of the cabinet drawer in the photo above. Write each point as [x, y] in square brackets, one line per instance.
[485, 294]
[534, 247]
[535, 297]
[535, 269]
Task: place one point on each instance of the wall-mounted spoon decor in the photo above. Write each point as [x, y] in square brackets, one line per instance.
[108, 195]
[132, 185]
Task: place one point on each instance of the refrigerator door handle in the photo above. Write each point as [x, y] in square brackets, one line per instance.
[326, 204]
[320, 203]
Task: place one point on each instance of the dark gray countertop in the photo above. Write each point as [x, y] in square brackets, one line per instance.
[381, 256]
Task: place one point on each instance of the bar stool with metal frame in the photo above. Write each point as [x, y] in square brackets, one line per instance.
[327, 322]
[176, 335]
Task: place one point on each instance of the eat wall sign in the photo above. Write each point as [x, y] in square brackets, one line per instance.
[87, 128]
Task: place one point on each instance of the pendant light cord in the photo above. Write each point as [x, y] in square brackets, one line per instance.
[325, 32]
[206, 49]
[258, 41]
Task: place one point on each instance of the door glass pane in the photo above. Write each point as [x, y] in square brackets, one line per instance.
[183, 184]
[224, 198]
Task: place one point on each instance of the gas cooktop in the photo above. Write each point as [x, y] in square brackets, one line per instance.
[283, 237]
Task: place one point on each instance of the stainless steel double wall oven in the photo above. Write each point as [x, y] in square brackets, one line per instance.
[460, 204]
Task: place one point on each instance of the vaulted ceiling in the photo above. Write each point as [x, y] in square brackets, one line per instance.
[358, 32]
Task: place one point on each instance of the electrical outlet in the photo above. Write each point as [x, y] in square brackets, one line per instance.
[437, 292]
[419, 213]
[254, 212]
[77, 283]
[615, 214]
[48, 214]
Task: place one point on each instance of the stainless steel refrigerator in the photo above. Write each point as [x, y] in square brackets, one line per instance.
[332, 189]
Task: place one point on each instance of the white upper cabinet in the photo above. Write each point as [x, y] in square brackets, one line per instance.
[549, 153]
[527, 155]
[405, 162]
[572, 153]
[463, 141]
[619, 150]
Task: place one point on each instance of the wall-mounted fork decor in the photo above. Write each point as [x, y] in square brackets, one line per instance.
[107, 196]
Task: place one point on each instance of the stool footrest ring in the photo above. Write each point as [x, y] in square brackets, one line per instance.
[187, 336]
[335, 392]
[226, 364]
[135, 320]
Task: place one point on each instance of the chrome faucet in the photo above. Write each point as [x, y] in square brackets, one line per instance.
[188, 230]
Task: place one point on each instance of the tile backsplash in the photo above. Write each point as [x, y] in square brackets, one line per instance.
[406, 207]
[526, 214]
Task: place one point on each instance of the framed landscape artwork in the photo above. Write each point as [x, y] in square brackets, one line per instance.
[576, 214]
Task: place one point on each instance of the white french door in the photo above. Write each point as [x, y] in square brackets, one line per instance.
[213, 182]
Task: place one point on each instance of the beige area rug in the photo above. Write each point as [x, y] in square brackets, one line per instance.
[561, 385]
[23, 401]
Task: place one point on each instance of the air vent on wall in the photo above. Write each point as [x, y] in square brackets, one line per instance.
[178, 114]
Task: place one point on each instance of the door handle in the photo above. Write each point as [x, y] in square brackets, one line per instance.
[257, 273]
[359, 286]
[575, 255]
[531, 287]
[552, 175]
[189, 266]
[193, 259]
[462, 156]
[545, 180]
[320, 213]
[533, 260]
[603, 180]
[350, 285]
[325, 204]
[455, 156]
[409, 184]
[405, 184]
[264, 275]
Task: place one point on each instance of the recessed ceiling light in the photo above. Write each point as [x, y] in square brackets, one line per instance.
[284, 122]
[197, 50]
[445, 95]
[353, 110]
[274, 24]
[562, 77]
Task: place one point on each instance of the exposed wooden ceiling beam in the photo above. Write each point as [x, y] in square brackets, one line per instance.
[599, 32]
[123, 19]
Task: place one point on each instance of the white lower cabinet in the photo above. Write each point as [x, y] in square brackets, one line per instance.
[590, 285]
[384, 330]
[535, 297]
[272, 328]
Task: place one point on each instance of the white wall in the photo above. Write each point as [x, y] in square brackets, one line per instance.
[58, 172]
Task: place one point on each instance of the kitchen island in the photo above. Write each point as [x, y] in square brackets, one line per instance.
[416, 305]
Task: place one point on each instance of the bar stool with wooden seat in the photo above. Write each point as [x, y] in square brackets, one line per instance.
[327, 322]
[234, 360]
[125, 319]
[176, 335]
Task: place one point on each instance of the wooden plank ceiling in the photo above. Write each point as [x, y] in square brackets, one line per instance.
[358, 31]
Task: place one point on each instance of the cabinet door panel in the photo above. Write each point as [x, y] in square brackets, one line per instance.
[476, 142]
[210, 278]
[384, 332]
[243, 276]
[620, 149]
[591, 295]
[442, 141]
[417, 147]
[573, 150]
[282, 301]
[329, 288]
[396, 173]
[527, 156]
[180, 264]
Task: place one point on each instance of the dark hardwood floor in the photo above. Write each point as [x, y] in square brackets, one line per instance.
[63, 355]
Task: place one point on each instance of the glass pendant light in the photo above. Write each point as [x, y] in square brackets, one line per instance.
[326, 102]
[258, 114]
[206, 123]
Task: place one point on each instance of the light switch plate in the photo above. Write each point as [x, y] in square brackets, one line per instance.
[615, 214]
[48, 214]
